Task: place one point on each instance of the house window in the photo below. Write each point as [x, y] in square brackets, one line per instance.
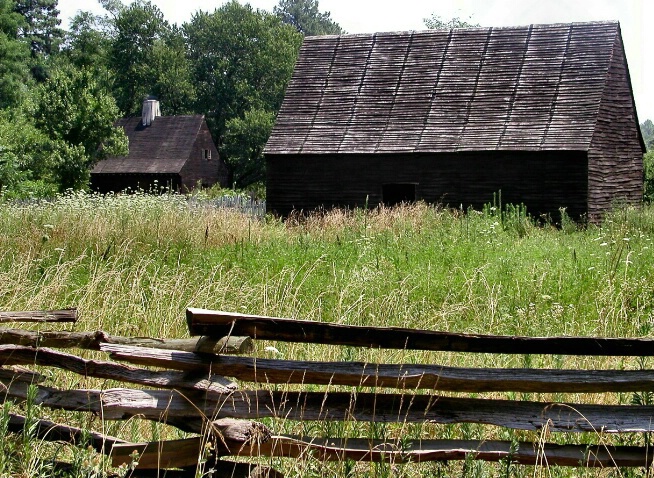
[207, 154]
[396, 193]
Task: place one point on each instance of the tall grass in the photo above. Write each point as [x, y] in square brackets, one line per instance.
[132, 264]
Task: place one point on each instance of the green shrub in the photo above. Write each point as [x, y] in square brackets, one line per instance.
[648, 169]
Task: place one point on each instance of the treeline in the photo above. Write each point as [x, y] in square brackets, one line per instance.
[61, 91]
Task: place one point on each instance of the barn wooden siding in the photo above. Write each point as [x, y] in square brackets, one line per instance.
[616, 153]
[170, 151]
[438, 94]
[541, 180]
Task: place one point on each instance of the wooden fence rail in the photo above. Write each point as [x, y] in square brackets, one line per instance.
[199, 386]
[92, 341]
[65, 315]
[402, 376]
[219, 324]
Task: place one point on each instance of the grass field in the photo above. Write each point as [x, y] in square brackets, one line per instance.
[132, 264]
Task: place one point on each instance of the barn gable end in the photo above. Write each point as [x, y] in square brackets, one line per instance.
[409, 106]
[616, 152]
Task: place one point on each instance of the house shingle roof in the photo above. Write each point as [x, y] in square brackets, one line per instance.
[535, 87]
[161, 148]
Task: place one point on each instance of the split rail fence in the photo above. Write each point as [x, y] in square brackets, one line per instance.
[190, 386]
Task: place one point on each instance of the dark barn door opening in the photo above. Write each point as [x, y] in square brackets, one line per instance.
[396, 193]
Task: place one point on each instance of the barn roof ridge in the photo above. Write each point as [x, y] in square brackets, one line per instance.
[426, 30]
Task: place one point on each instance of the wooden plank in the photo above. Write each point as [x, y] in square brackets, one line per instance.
[225, 436]
[181, 453]
[206, 382]
[65, 315]
[230, 469]
[402, 376]
[164, 405]
[21, 374]
[548, 454]
[92, 341]
[160, 455]
[219, 323]
[50, 431]
[219, 469]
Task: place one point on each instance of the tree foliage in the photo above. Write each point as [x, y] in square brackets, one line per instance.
[24, 157]
[244, 141]
[40, 29]
[14, 56]
[88, 42]
[138, 29]
[78, 118]
[171, 75]
[647, 129]
[305, 16]
[648, 170]
[242, 60]
[436, 22]
[41, 25]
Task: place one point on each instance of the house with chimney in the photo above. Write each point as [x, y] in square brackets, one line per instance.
[176, 153]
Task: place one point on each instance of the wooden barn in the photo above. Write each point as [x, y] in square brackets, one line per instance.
[175, 152]
[543, 113]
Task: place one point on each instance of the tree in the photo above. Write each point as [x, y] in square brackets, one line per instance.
[88, 41]
[113, 7]
[41, 26]
[78, 116]
[24, 157]
[134, 61]
[138, 27]
[648, 170]
[306, 18]
[244, 141]
[242, 61]
[436, 22]
[171, 74]
[647, 129]
[14, 56]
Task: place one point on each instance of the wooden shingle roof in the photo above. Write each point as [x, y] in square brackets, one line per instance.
[534, 87]
[161, 148]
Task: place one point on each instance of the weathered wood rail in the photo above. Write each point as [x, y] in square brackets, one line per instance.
[65, 315]
[192, 384]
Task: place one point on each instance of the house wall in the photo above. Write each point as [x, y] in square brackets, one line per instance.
[615, 168]
[197, 169]
[544, 181]
[106, 183]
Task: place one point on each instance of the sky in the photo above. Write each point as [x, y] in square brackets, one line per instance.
[369, 16]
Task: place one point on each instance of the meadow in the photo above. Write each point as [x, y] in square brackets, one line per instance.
[133, 264]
